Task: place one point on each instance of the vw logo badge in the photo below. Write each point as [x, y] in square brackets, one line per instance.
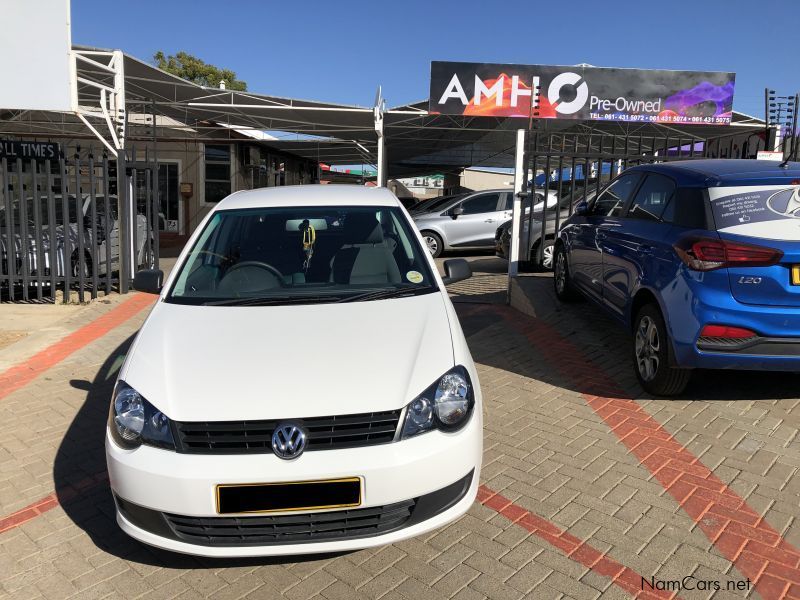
[288, 441]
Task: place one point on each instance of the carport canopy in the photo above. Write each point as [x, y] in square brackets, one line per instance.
[416, 142]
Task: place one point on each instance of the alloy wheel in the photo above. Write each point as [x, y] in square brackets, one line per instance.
[547, 257]
[648, 345]
[432, 243]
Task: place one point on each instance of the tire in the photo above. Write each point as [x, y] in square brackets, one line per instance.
[434, 243]
[562, 281]
[650, 350]
[75, 266]
[546, 262]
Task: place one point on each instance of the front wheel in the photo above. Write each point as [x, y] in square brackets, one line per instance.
[651, 355]
[434, 243]
[77, 267]
[546, 261]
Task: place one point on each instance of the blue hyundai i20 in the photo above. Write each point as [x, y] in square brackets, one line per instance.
[700, 259]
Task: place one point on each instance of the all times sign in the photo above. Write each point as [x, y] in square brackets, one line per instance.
[12, 150]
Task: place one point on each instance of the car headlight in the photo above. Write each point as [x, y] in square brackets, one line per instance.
[133, 421]
[446, 405]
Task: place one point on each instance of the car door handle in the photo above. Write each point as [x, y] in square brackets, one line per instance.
[489, 221]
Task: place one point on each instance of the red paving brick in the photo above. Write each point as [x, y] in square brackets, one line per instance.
[22, 374]
[49, 502]
[773, 565]
[573, 547]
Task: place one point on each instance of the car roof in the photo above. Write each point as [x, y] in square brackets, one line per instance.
[726, 172]
[309, 195]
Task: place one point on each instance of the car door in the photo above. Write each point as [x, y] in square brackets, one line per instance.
[476, 225]
[632, 245]
[586, 258]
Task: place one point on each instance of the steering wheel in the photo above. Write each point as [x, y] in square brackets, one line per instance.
[259, 265]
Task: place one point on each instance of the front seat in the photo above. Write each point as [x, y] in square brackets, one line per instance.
[364, 258]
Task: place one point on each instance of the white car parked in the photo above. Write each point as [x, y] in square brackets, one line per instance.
[302, 384]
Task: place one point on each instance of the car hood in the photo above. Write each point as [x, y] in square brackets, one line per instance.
[216, 363]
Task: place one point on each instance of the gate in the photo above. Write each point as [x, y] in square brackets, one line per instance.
[71, 228]
[569, 167]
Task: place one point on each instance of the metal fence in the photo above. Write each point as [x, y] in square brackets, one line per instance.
[72, 228]
[574, 166]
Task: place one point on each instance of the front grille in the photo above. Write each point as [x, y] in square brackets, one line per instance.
[291, 529]
[255, 437]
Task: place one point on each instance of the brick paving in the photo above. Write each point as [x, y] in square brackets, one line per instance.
[574, 503]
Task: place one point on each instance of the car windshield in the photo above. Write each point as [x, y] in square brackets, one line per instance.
[293, 255]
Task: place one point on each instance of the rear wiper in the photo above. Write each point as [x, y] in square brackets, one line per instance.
[272, 300]
[390, 293]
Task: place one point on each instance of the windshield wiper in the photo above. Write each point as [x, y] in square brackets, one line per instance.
[390, 293]
[272, 300]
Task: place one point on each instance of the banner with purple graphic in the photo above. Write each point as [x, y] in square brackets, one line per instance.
[587, 93]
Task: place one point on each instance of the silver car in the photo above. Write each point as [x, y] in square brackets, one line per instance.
[107, 242]
[469, 222]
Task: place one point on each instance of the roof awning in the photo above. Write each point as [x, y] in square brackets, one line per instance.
[336, 134]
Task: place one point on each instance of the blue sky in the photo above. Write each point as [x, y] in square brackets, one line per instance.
[340, 51]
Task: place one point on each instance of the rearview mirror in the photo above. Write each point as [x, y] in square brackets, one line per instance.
[456, 269]
[457, 212]
[149, 281]
[582, 208]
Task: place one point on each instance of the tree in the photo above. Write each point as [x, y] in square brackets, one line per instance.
[191, 68]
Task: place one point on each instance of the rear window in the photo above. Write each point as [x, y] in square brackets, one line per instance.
[766, 211]
[686, 209]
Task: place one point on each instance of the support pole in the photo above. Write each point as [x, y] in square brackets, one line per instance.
[381, 159]
[125, 221]
[520, 174]
[378, 110]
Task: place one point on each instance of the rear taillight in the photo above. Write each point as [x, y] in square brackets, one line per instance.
[727, 332]
[707, 254]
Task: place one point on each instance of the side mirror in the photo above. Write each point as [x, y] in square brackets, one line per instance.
[456, 212]
[456, 269]
[149, 281]
[582, 208]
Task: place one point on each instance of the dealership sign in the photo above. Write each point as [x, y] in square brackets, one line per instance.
[586, 93]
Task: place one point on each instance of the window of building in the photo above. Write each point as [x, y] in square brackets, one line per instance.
[218, 172]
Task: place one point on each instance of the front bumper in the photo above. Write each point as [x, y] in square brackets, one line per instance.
[156, 481]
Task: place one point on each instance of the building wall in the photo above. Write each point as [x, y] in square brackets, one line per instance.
[476, 179]
[251, 165]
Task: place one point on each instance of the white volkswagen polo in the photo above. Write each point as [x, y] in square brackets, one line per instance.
[302, 384]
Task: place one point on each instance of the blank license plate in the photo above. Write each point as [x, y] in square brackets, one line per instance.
[300, 495]
[796, 275]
